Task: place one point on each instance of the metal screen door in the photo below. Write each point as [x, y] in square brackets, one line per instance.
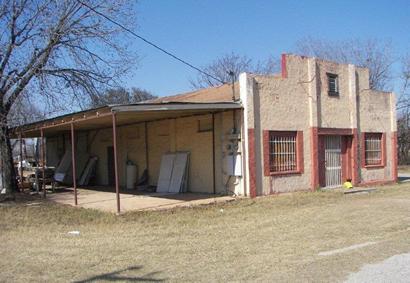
[333, 161]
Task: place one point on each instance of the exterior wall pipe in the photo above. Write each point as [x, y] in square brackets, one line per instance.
[114, 140]
[74, 163]
[43, 163]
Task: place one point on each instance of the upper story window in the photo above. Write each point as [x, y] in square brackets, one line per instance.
[333, 84]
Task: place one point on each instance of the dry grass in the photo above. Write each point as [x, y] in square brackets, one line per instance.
[267, 239]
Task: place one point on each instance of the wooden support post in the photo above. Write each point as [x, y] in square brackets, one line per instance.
[74, 163]
[21, 164]
[146, 147]
[43, 162]
[114, 141]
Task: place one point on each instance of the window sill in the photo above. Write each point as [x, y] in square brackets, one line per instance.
[333, 94]
[285, 173]
[378, 166]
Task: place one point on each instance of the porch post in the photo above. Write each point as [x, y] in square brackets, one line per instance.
[73, 162]
[43, 154]
[213, 153]
[114, 141]
[21, 163]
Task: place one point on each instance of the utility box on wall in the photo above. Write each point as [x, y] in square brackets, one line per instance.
[233, 165]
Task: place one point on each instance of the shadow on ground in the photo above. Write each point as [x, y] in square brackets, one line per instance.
[116, 276]
[404, 178]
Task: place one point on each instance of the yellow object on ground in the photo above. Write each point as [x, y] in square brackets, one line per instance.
[348, 185]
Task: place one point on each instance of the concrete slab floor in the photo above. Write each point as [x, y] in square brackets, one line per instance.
[105, 200]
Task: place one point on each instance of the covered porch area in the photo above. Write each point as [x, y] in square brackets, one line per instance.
[141, 134]
[105, 199]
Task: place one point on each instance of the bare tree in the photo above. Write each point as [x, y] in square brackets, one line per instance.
[24, 111]
[55, 49]
[232, 64]
[373, 54]
[121, 96]
[139, 95]
[403, 108]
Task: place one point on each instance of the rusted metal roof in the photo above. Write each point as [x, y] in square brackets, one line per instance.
[208, 100]
[222, 93]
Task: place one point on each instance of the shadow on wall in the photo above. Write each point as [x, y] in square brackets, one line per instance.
[116, 276]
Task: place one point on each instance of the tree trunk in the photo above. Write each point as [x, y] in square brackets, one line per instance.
[8, 172]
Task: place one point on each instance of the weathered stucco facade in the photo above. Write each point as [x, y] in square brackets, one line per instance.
[298, 100]
[318, 119]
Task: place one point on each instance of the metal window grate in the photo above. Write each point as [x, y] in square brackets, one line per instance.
[373, 149]
[282, 152]
[333, 161]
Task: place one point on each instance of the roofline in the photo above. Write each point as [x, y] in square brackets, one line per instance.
[176, 106]
[62, 116]
[138, 107]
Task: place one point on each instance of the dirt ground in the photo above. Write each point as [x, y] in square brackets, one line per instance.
[97, 198]
[314, 237]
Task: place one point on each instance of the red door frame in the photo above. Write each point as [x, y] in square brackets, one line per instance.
[348, 149]
[351, 158]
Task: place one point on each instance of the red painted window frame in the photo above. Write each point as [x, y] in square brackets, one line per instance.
[383, 150]
[299, 153]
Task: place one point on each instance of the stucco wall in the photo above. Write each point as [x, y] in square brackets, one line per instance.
[334, 111]
[375, 116]
[283, 106]
[298, 100]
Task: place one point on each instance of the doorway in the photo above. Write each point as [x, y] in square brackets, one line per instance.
[333, 161]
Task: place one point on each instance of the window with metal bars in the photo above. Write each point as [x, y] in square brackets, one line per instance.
[333, 84]
[283, 151]
[373, 149]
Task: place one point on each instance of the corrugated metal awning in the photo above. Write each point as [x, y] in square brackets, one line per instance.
[125, 114]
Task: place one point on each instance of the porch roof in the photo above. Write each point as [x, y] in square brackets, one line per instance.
[125, 114]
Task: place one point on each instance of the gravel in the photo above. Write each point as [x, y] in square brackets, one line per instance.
[393, 269]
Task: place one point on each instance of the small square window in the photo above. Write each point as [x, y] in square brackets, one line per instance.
[333, 84]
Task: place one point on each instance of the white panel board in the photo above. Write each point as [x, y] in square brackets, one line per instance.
[179, 172]
[165, 172]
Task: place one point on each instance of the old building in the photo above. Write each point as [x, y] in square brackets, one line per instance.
[314, 125]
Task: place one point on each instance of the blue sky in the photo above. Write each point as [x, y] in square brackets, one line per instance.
[200, 31]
